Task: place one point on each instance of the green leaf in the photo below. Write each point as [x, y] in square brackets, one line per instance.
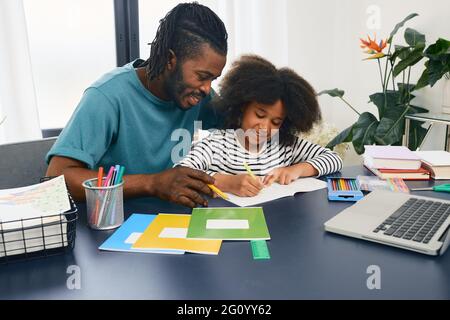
[392, 125]
[424, 79]
[416, 109]
[414, 57]
[440, 47]
[344, 136]
[384, 101]
[364, 131]
[437, 65]
[401, 52]
[414, 38]
[334, 93]
[436, 70]
[405, 92]
[404, 87]
[400, 25]
[416, 135]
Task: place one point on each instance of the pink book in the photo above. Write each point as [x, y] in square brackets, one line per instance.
[391, 157]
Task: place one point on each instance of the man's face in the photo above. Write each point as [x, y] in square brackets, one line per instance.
[190, 81]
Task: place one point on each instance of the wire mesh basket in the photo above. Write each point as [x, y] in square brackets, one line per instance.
[38, 237]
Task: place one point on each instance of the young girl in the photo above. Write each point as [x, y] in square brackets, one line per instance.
[265, 109]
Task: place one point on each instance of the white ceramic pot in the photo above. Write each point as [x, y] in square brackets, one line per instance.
[446, 96]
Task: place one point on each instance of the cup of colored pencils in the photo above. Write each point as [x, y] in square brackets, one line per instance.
[104, 199]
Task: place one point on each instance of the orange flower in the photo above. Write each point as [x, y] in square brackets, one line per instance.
[373, 48]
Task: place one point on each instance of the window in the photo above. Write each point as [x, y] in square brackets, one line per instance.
[70, 49]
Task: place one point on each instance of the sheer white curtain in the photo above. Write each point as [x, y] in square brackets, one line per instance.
[256, 26]
[17, 92]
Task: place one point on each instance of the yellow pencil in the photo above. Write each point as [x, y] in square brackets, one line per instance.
[249, 171]
[218, 192]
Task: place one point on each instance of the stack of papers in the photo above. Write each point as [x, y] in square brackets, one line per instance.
[37, 205]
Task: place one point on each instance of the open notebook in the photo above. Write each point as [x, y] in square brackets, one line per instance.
[277, 191]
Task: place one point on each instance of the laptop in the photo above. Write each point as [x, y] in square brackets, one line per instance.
[401, 220]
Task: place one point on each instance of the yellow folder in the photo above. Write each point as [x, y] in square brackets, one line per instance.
[168, 231]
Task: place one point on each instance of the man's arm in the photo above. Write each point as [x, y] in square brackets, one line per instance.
[180, 185]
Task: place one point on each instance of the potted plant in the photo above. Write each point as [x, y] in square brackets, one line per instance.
[394, 100]
[437, 67]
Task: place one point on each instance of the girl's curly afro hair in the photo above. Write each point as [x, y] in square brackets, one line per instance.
[254, 79]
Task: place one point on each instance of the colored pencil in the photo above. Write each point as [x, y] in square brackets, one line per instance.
[249, 171]
[218, 191]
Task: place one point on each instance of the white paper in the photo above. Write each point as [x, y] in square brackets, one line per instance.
[54, 235]
[39, 200]
[177, 233]
[227, 224]
[277, 191]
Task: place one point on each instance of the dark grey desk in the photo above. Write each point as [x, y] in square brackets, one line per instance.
[306, 263]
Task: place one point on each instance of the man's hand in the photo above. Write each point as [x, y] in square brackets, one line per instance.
[184, 186]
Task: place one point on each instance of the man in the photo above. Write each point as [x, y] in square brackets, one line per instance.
[128, 116]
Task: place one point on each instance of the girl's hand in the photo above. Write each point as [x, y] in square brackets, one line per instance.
[244, 185]
[287, 175]
[281, 175]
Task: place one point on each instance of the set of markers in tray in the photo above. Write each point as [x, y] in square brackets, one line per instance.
[344, 189]
[351, 189]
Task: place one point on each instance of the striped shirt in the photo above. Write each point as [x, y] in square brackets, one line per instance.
[222, 152]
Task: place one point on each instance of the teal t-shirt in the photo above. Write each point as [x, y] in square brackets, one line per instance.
[118, 121]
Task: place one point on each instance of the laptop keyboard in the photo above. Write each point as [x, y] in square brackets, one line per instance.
[417, 220]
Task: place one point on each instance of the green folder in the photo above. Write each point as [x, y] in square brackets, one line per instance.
[228, 224]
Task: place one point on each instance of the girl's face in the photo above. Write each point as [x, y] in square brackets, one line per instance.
[261, 122]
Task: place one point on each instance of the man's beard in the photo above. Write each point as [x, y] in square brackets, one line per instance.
[175, 87]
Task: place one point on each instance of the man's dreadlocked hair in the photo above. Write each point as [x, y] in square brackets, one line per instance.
[183, 30]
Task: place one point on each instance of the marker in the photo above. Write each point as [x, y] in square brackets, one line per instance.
[100, 177]
[120, 175]
[97, 202]
[108, 176]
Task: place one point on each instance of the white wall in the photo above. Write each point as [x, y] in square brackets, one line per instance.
[324, 47]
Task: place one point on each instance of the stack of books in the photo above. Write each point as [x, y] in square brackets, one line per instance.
[437, 162]
[394, 162]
